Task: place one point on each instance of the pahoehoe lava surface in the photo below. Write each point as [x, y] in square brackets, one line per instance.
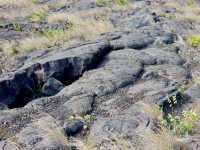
[111, 76]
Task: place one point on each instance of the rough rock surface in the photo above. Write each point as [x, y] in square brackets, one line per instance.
[109, 78]
[52, 87]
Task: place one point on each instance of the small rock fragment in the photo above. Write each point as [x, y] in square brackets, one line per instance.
[73, 127]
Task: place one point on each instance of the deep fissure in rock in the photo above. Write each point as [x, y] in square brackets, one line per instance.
[32, 90]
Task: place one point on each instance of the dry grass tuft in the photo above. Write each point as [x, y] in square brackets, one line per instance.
[153, 110]
[53, 133]
[197, 28]
[128, 6]
[82, 28]
[34, 43]
[19, 3]
[81, 145]
[189, 16]
[24, 12]
[116, 143]
[9, 48]
[190, 13]
[161, 139]
[159, 12]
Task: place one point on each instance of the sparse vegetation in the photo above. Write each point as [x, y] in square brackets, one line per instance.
[3, 25]
[197, 81]
[33, 1]
[102, 1]
[183, 123]
[71, 118]
[9, 48]
[37, 16]
[196, 78]
[190, 2]
[170, 126]
[193, 40]
[76, 116]
[180, 123]
[147, 7]
[121, 2]
[10, 138]
[87, 118]
[110, 5]
[17, 27]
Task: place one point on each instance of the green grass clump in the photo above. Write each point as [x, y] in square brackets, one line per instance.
[53, 32]
[102, 1]
[37, 16]
[183, 123]
[193, 40]
[33, 1]
[17, 27]
[110, 5]
[190, 2]
[121, 2]
[197, 81]
[2, 26]
[180, 123]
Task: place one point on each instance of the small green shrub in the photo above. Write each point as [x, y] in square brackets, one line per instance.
[52, 32]
[110, 5]
[183, 123]
[190, 2]
[147, 7]
[173, 101]
[181, 91]
[197, 81]
[121, 2]
[37, 16]
[162, 120]
[87, 118]
[3, 25]
[17, 27]
[33, 1]
[102, 1]
[193, 40]
[71, 118]
[170, 16]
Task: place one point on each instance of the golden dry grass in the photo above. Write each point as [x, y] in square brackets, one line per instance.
[81, 29]
[116, 143]
[159, 12]
[53, 133]
[34, 43]
[197, 27]
[81, 145]
[128, 6]
[189, 16]
[9, 48]
[25, 11]
[164, 139]
[153, 110]
[19, 3]
[190, 13]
